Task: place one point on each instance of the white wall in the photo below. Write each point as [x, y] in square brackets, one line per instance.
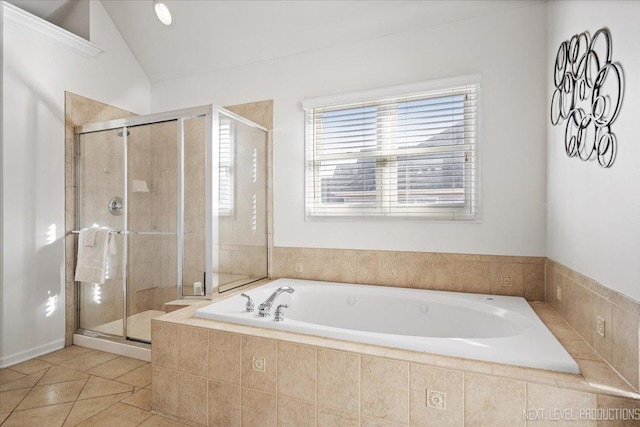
[75, 17]
[593, 212]
[36, 72]
[507, 48]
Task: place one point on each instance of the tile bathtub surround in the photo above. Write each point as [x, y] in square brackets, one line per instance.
[281, 378]
[582, 300]
[485, 274]
[60, 388]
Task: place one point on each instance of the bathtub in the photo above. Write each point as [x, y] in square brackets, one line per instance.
[491, 328]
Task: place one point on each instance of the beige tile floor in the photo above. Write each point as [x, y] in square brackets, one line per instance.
[77, 386]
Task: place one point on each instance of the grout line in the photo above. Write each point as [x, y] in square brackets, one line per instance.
[464, 396]
[241, 363]
[179, 373]
[277, 367]
[83, 387]
[526, 403]
[206, 376]
[360, 389]
[315, 374]
[13, 370]
[18, 404]
[408, 393]
[76, 401]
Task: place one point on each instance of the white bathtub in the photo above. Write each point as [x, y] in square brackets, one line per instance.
[492, 328]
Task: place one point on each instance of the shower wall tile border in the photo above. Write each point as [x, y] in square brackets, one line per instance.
[582, 301]
[486, 274]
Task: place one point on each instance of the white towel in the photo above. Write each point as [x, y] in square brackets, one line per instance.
[88, 236]
[91, 264]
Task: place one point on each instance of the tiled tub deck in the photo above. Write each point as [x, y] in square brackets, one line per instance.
[221, 374]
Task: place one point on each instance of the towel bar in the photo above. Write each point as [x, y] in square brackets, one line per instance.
[142, 233]
[111, 232]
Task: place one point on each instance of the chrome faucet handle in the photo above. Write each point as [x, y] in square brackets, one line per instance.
[280, 312]
[265, 307]
[249, 306]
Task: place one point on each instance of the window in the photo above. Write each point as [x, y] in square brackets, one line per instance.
[412, 155]
[225, 167]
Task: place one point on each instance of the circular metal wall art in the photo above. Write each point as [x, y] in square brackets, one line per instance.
[588, 95]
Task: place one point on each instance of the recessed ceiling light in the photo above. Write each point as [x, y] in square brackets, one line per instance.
[163, 13]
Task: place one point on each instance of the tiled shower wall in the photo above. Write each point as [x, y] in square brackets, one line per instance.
[486, 274]
[581, 301]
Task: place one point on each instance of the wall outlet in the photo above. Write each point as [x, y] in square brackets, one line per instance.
[393, 273]
[197, 288]
[436, 399]
[506, 281]
[559, 293]
[299, 267]
[600, 326]
[258, 364]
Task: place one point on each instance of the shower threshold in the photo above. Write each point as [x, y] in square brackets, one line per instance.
[138, 325]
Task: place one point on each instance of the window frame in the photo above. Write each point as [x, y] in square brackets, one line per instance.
[387, 175]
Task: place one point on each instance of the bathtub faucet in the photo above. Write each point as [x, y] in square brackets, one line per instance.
[265, 307]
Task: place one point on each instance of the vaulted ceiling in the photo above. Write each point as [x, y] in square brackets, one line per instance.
[210, 35]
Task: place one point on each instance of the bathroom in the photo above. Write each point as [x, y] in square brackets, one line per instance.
[561, 230]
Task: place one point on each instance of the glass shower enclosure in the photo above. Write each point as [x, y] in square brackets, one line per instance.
[183, 194]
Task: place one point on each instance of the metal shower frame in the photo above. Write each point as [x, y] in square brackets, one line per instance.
[211, 114]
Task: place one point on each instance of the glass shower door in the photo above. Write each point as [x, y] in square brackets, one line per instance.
[242, 202]
[137, 169]
[100, 186]
[194, 232]
[152, 221]
[144, 178]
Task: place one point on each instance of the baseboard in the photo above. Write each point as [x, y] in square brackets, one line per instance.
[13, 359]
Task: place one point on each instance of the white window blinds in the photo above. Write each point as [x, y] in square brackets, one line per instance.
[225, 167]
[410, 156]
